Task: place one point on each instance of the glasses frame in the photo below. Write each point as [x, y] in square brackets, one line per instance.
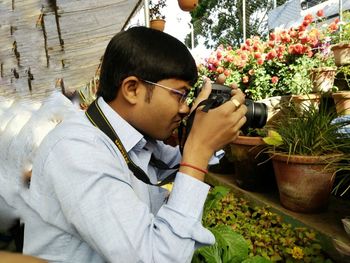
[183, 95]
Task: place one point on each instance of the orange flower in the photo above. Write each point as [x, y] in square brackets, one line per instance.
[220, 70]
[274, 79]
[245, 79]
[227, 72]
[333, 27]
[320, 13]
[260, 61]
[257, 55]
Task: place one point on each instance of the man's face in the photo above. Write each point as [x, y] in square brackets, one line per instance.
[164, 111]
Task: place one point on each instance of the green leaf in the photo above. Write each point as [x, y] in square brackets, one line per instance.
[214, 196]
[233, 245]
[273, 138]
[257, 259]
[209, 254]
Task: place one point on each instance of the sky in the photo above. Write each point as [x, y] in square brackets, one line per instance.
[177, 25]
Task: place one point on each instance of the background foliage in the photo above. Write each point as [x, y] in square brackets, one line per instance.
[221, 21]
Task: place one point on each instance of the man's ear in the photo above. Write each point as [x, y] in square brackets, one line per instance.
[130, 89]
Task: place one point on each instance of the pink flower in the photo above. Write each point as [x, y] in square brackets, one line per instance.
[320, 13]
[220, 70]
[274, 79]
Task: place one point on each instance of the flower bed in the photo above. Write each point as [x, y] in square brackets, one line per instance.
[267, 235]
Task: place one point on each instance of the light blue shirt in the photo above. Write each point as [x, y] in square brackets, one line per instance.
[85, 205]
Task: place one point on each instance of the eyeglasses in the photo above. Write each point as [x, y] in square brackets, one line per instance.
[182, 94]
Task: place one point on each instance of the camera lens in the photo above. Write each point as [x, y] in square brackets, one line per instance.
[256, 114]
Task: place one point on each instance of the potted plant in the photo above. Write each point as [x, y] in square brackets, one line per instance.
[306, 151]
[157, 18]
[342, 96]
[253, 169]
[324, 71]
[341, 48]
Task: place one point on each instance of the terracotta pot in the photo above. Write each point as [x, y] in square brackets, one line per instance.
[341, 54]
[158, 24]
[253, 168]
[187, 5]
[342, 102]
[303, 102]
[323, 79]
[304, 183]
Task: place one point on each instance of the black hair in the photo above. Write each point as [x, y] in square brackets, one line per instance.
[146, 53]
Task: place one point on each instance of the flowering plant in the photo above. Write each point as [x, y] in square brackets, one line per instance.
[343, 33]
[277, 66]
[155, 9]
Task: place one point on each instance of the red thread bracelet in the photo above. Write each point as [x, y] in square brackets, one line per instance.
[194, 167]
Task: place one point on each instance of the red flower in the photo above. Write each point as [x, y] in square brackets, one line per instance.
[320, 13]
[333, 27]
[260, 61]
[271, 55]
[274, 79]
[257, 55]
[227, 72]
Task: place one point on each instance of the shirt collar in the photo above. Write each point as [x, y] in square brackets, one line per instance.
[129, 136]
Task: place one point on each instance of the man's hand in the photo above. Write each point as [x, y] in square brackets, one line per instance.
[213, 130]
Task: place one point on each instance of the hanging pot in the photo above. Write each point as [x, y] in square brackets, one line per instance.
[188, 5]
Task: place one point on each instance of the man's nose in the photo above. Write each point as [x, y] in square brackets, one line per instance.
[184, 108]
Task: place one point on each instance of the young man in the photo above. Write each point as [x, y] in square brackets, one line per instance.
[88, 203]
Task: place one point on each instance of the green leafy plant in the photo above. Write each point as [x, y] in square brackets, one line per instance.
[309, 132]
[267, 238]
[156, 8]
[342, 35]
[343, 74]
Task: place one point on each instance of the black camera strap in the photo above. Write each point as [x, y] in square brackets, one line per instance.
[185, 128]
[98, 119]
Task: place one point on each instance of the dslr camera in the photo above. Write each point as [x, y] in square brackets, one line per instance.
[256, 114]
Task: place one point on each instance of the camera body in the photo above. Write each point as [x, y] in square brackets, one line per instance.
[256, 112]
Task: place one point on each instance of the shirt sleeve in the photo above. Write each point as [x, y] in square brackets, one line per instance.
[92, 184]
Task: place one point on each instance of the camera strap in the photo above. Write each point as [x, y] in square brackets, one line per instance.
[184, 129]
[98, 119]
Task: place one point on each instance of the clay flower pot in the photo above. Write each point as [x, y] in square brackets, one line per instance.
[323, 79]
[342, 102]
[304, 102]
[304, 182]
[341, 54]
[253, 169]
[158, 24]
